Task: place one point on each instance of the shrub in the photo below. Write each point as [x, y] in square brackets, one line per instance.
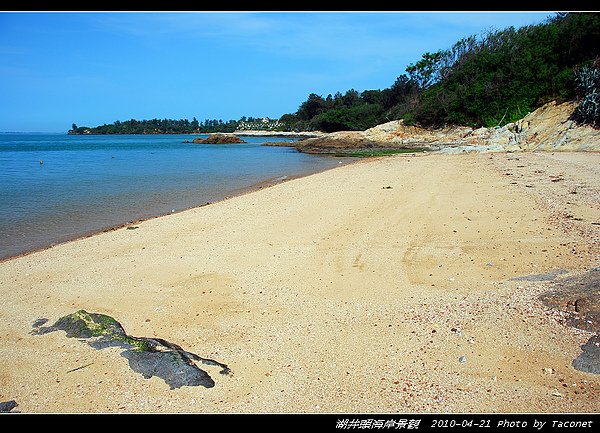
[587, 89]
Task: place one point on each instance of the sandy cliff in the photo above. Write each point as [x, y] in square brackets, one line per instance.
[547, 128]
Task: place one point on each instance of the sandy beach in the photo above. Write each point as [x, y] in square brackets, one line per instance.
[390, 285]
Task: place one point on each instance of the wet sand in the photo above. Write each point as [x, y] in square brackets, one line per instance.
[389, 285]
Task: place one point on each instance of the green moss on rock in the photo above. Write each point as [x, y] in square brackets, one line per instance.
[82, 324]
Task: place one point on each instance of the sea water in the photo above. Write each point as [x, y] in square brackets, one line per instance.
[57, 187]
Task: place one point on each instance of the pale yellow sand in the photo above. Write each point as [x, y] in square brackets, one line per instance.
[329, 293]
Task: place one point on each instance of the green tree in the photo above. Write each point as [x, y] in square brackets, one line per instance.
[351, 98]
[426, 71]
[313, 106]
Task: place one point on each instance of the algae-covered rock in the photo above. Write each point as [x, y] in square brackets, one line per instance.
[82, 324]
[147, 356]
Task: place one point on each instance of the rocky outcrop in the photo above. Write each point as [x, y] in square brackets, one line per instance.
[219, 138]
[391, 135]
[548, 128]
[578, 297]
[7, 406]
[589, 359]
[147, 356]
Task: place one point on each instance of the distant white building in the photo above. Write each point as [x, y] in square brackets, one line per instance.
[264, 124]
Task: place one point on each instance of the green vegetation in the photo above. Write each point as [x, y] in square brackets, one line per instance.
[82, 324]
[488, 80]
[182, 126]
[587, 88]
[159, 126]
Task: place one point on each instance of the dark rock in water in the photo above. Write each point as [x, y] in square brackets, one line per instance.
[7, 406]
[589, 360]
[147, 356]
[219, 139]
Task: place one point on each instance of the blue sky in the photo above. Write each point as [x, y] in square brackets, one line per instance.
[59, 68]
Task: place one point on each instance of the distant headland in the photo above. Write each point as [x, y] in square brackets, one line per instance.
[245, 126]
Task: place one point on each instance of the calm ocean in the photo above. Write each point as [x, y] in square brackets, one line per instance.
[56, 187]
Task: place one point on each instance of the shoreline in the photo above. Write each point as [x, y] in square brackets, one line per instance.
[403, 284]
[234, 193]
[245, 133]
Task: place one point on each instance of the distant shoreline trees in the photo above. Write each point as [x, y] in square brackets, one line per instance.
[181, 126]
